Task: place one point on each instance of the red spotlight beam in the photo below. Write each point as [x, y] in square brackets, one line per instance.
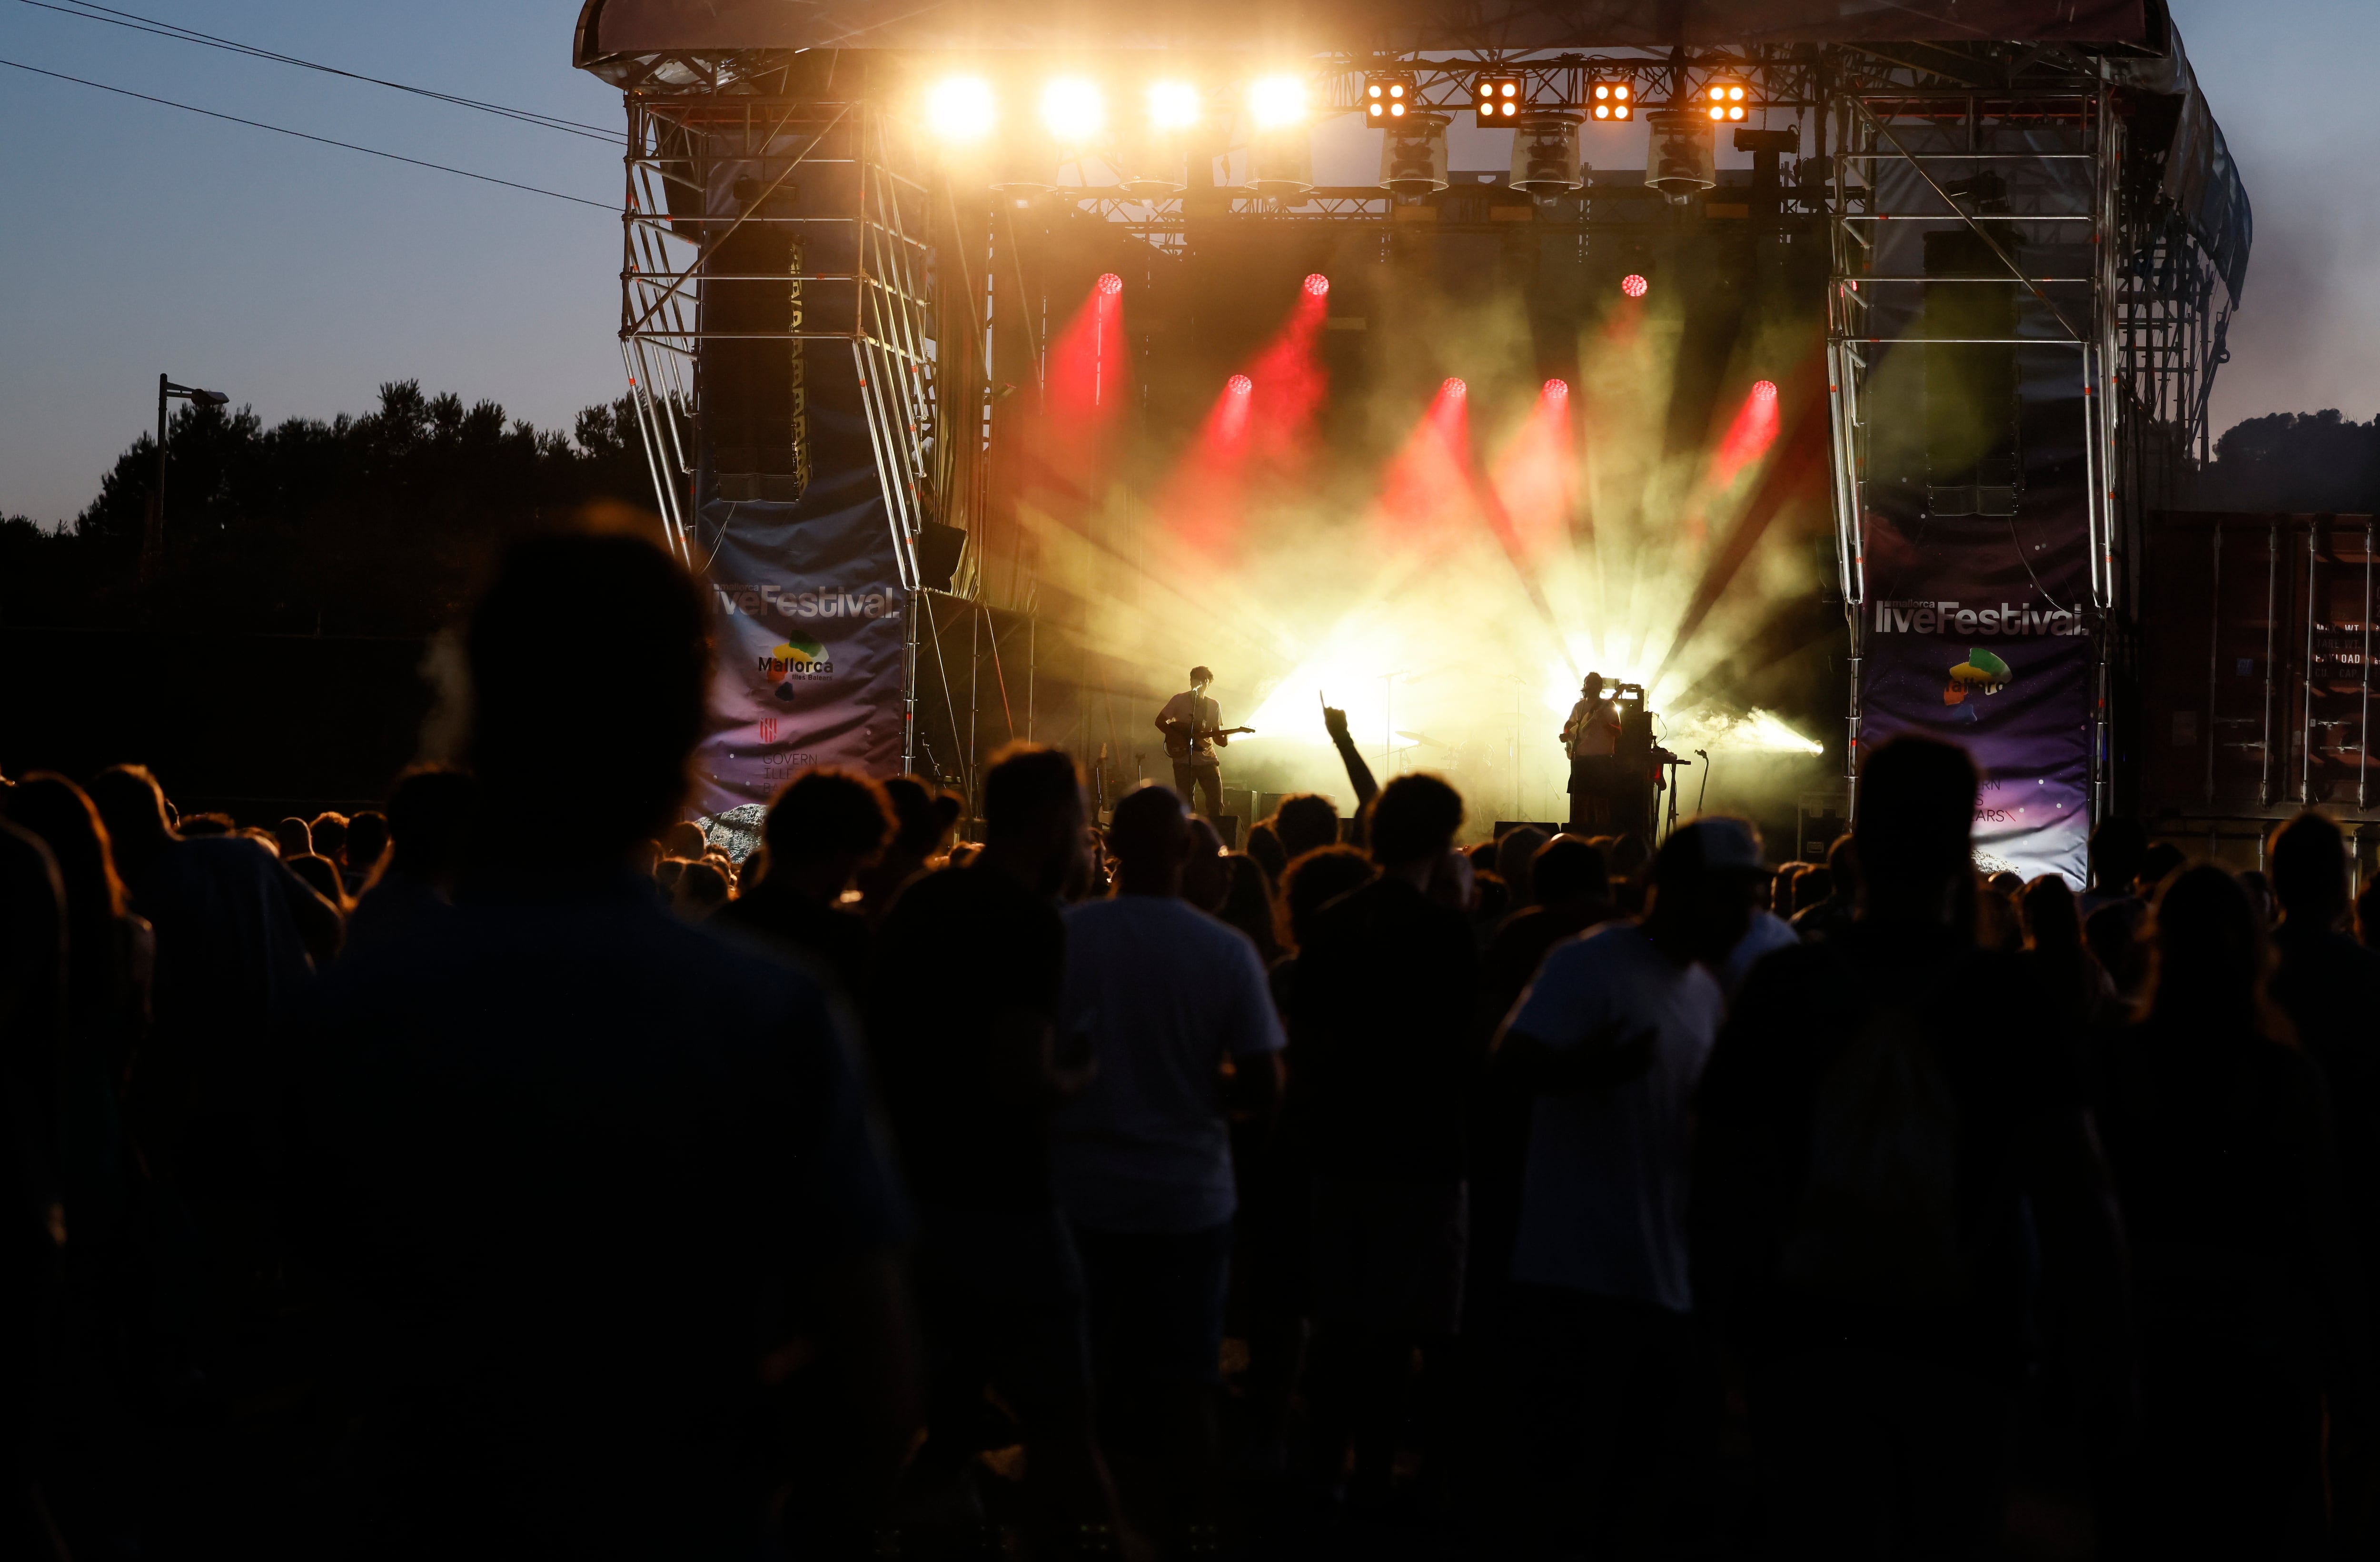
[1801, 467]
[1500, 524]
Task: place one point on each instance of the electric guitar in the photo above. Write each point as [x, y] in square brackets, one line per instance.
[1181, 737]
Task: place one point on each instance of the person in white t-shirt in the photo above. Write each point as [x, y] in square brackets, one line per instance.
[1175, 1013]
[1612, 1036]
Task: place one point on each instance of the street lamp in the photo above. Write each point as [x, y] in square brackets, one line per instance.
[152, 542]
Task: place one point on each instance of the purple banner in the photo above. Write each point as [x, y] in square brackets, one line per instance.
[807, 625]
[2011, 682]
[806, 614]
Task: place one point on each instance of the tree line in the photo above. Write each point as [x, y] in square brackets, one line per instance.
[378, 524]
[2295, 463]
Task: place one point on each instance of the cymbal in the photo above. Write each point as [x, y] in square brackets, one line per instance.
[1426, 739]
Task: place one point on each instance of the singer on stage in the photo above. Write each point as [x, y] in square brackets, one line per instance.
[1591, 737]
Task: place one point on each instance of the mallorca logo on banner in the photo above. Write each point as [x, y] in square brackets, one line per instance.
[795, 657]
[1981, 671]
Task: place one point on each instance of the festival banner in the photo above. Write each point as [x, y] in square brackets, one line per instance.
[807, 616]
[2009, 681]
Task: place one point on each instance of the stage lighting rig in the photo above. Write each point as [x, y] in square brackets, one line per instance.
[1545, 153]
[1634, 285]
[1073, 109]
[1614, 99]
[1173, 105]
[1726, 100]
[1276, 103]
[1498, 99]
[1412, 155]
[961, 108]
[1389, 94]
[1281, 152]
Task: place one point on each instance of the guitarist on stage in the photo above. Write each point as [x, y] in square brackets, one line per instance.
[1192, 725]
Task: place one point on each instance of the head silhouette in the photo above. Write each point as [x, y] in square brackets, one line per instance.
[1916, 815]
[608, 627]
[2309, 859]
[1413, 819]
[1033, 814]
[1150, 836]
[129, 801]
[2209, 952]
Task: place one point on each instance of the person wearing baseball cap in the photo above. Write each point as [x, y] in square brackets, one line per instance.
[1613, 1035]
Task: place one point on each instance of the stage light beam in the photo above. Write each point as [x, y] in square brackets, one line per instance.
[1073, 109]
[961, 108]
[1111, 284]
[1748, 437]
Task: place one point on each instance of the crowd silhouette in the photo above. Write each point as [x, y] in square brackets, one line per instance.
[510, 1172]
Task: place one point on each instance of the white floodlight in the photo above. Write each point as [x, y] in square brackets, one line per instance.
[1276, 102]
[1073, 108]
[1173, 105]
[961, 108]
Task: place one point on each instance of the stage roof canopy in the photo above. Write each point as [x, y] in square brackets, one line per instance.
[645, 27]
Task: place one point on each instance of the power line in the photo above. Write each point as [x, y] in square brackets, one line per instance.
[174, 30]
[303, 136]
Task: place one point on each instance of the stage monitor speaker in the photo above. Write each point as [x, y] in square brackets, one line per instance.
[940, 548]
[1266, 804]
[1228, 826]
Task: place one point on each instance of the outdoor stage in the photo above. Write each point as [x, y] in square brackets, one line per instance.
[999, 363]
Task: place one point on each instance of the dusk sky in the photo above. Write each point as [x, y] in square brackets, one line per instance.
[297, 277]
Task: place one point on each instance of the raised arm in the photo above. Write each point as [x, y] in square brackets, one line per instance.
[1359, 775]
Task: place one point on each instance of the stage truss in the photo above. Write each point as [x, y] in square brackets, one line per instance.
[2145, 321]
[879, 294]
